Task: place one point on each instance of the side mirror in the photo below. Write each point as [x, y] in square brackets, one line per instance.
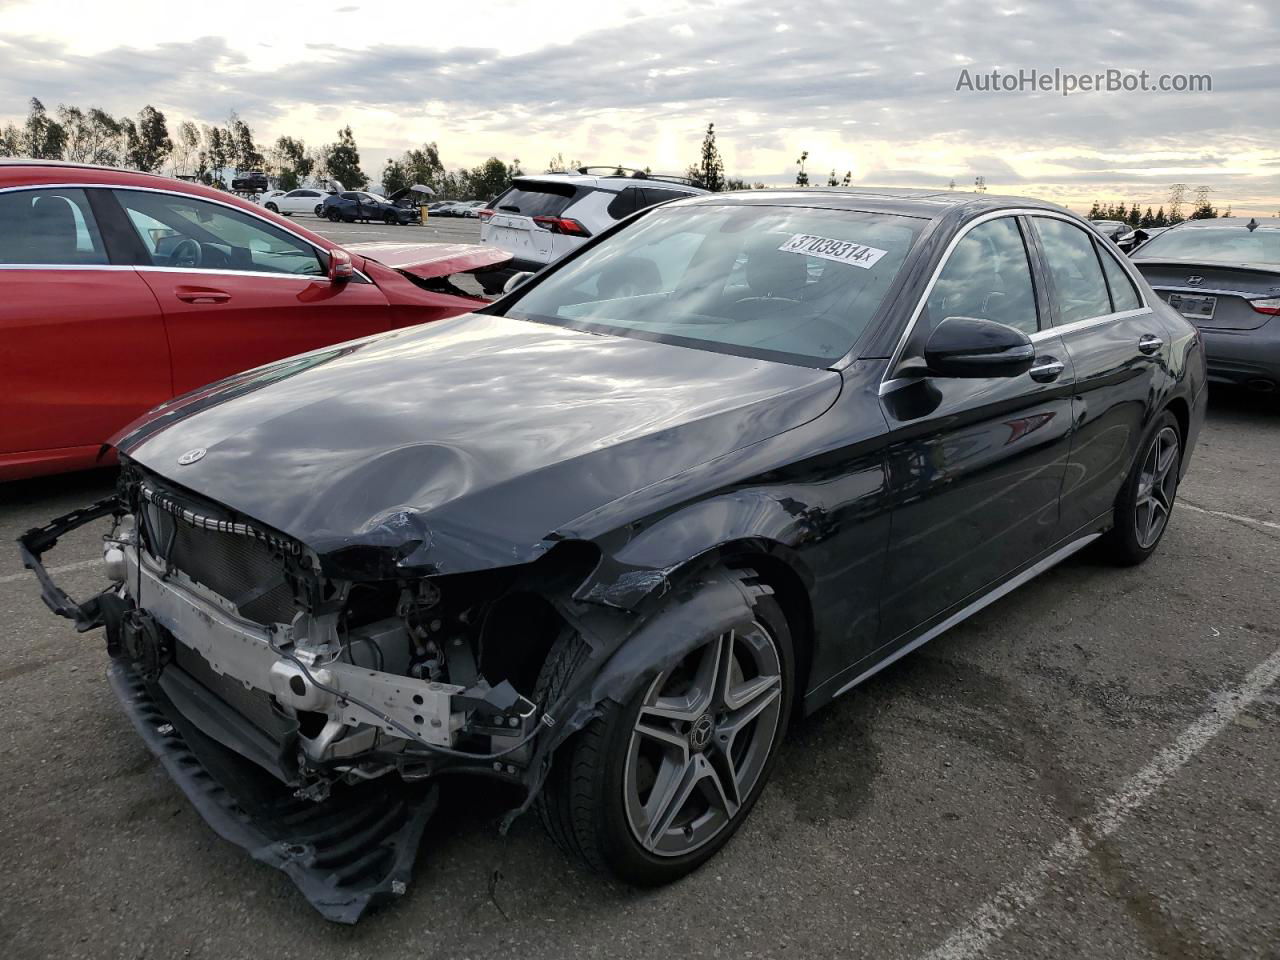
[515, 280]
[971, 347]
[341, 269]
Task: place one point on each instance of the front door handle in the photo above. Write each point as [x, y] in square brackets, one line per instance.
[1149, 343]
[201, 295]
[1046, 369]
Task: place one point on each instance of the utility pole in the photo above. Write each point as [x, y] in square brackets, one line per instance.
[1177, 197]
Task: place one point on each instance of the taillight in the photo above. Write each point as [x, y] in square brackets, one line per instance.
[1270, 305]
[563, 225]
[485, 214]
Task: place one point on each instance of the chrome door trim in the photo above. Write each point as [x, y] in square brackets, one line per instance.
[983, 601]
[1209, 290]
[889, 384]
[1050, 332]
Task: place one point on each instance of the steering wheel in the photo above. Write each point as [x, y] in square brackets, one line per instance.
[186, 253]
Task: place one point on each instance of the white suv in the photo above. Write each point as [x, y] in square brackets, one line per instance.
[539, 219]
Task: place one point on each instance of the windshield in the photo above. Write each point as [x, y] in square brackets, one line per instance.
[1229, 244]
[792, 284]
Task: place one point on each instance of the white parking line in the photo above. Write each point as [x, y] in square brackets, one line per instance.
[1001, 912]
[65, 568]
[1231, 516]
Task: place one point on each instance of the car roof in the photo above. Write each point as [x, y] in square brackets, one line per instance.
[611, 182]
[926, 204]
[1269, 223]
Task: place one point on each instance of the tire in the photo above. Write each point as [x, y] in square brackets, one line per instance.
[319, 210]
[1146, 500]
[602, 803]
[389, 219]
[273, 208]
[334, 216]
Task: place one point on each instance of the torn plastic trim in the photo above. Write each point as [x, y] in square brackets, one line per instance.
[36, 542]
[627, 651]
[346, 854]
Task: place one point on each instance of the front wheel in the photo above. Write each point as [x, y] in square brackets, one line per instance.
[319, 210]
[656, 786]
[1146, 501]
[273, 208]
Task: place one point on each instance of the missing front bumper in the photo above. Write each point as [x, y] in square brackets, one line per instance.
[346, 854]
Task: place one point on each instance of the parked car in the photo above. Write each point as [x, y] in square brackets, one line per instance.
[1224, 276]
[541, 218]
[604, 538]
[123, 289]
[1112, 229]
[472, 208]
[1130, 242]
[349, 206]
[255, 181]
[447, 208]
[302, 200]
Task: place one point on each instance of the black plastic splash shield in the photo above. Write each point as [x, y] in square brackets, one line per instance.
[348, 853]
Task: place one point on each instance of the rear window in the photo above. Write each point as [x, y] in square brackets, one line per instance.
[536, 199]
[1228, 244]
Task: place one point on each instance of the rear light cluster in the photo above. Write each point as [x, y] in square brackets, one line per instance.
[484, 214]
[571, 228]
[1270, 306]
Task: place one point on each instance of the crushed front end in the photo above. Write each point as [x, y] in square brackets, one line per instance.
[303, 714]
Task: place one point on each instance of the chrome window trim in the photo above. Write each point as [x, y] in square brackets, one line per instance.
[219, 272]
[188, 196]
[1050, 333]
[1210, 290]
[888, 384]
[66, 266]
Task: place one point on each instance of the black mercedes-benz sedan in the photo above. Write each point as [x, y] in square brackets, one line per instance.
[606, 537]
[1224, 276]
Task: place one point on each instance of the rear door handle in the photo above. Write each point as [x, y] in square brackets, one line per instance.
[1149, 343]
[1046, 369]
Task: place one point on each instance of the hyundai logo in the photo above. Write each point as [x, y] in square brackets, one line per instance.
[1194, 281]
[191, 456]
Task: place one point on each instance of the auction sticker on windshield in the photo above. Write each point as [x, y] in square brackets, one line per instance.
[841, 251]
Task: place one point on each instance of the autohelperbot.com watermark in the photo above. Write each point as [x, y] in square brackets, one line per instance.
[1065, 82]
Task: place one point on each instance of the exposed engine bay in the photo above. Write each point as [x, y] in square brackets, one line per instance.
[305, 704]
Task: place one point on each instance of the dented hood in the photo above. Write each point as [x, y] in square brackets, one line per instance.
[432, 259]
[465, 443]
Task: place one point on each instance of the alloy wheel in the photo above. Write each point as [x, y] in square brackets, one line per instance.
[702, 738]
[1157, 486]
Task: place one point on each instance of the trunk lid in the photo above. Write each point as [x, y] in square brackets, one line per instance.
[1223, 288]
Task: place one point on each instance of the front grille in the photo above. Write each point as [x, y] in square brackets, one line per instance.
[246, 569]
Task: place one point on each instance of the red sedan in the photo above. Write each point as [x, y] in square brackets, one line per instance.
[122, 290]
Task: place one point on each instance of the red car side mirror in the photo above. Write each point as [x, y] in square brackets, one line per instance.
[341, 269]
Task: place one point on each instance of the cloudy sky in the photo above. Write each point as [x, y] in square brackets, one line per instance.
[868, 88]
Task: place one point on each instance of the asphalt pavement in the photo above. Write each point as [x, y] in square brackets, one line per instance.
[1088, 768]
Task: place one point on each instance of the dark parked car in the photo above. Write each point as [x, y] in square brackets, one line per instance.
[255, 181]
[1224, 276]
[352, 205]
[607, 536]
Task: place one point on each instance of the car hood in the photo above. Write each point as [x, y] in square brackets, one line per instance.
[466, 443]
[432, 259]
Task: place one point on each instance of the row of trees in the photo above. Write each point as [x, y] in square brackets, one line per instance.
[1135, 216]
[92, 136]
[423, 165]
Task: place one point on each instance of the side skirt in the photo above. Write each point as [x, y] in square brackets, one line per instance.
[1030, 573]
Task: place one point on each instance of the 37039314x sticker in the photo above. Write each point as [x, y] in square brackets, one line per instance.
[828, 248]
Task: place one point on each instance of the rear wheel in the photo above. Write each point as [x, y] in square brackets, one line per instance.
[1146, 501]
[273, 208]
[654, 787]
